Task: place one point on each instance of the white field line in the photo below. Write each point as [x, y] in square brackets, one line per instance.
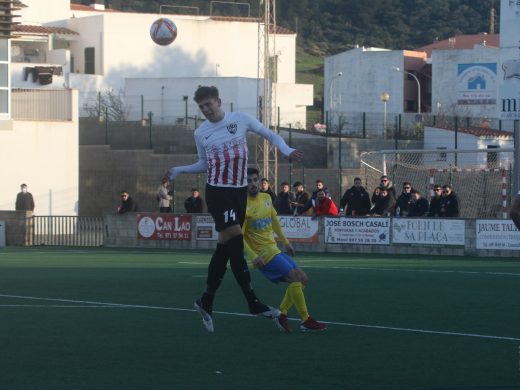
[346, 324]
[303, 265]
[60, 306]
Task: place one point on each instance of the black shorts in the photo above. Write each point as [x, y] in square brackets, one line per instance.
[227, 205]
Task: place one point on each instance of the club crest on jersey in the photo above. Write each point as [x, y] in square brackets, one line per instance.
[232, 128]
[267, 204]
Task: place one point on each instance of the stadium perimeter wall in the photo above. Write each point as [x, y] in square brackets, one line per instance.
[122, 231]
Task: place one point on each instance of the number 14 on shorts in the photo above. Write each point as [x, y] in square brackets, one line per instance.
[229, 215]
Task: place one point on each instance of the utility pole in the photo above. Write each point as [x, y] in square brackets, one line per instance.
[267, 155]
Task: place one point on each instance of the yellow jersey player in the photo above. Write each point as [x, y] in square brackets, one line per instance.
[260, 247]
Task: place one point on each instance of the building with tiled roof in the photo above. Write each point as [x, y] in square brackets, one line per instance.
[467, 41]
[21, 29]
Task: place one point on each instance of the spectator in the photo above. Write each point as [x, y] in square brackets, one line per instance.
[266, 187]
[356, 199]
[515, 210]
[449, 202]
[286, 200]
[320, 186]
[386, 183]
[419, 205]
[324, 206]
[164, 197]
[301, 197]
[128, 204]
[24, 200]
[384, 203]
[194, 204]
[402, 207]
[436, 202]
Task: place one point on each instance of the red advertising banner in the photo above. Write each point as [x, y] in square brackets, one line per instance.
[164, 227]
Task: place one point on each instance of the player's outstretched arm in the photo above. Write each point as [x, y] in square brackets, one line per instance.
[198, 167]
[256, 126]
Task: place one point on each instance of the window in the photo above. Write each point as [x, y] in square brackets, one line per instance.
[492, 157]
[90, 64]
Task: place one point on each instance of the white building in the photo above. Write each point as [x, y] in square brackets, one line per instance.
[39, 123]
[464, 82]
[112, 46]
[355, 80]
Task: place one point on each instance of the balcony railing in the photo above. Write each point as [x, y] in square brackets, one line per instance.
[41, 104]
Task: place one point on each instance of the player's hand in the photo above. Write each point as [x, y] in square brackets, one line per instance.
[258, 262]
[289, 249]
[296, 155]
[171, 173]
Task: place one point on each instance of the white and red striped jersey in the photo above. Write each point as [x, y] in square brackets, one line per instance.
[222, 149]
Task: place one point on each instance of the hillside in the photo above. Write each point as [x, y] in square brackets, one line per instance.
[327, 27]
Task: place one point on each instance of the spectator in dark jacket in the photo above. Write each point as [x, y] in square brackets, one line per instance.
[301, 197]
[194, 204]
[436, 202]
[386, 183]
[128, 204]
[449, 202]
[419, 205]
[285, 200]
[356, 199]
[402, 206]
[24, 200]
[265, 186]
[320, 187]
[384, 203]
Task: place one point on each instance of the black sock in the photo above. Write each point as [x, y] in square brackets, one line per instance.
[240, 268]
[217, 268]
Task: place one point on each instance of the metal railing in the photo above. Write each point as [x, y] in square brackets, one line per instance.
[67, 231]
[42, 104]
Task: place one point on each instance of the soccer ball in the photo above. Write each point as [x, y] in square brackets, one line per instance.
[163, 31]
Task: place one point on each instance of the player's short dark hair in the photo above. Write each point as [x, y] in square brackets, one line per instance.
[252, 171]
[264, 179]
[298, 183]
[319, 181]
[357, 178]
[285, 184]
[204, 92]
[195, 189]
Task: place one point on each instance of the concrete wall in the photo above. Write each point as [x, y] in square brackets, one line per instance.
[18, 225]
[44, 155]
[121, 231]
[366, 74]
[108, 169]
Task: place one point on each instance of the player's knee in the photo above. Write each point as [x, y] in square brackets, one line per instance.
[303, 277]
[296, 275]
